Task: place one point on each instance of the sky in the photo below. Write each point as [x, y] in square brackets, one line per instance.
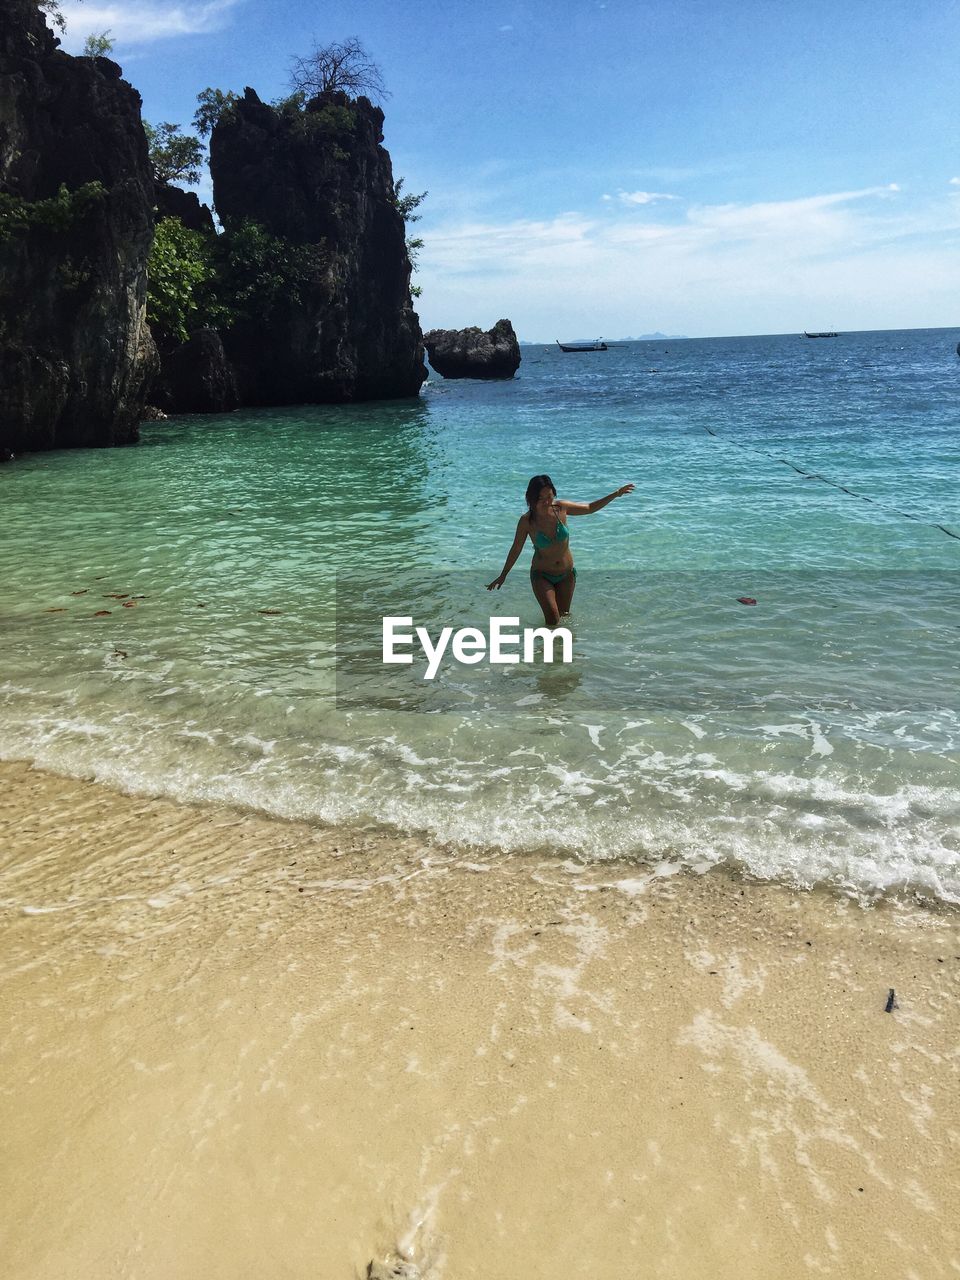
[615, 167]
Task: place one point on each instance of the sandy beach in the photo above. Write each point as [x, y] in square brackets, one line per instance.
[238, 1047]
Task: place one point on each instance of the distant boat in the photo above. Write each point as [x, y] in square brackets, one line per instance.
[831, 333]
[598, 345]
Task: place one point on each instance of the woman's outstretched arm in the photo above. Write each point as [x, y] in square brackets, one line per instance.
[512, 554]
[588, 508]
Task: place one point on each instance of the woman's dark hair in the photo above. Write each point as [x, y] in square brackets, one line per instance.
[535, 488]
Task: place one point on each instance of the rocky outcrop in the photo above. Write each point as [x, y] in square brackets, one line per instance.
[76, 226]
[172, 202]
[471, 353]
[197, 377]
[319, 180]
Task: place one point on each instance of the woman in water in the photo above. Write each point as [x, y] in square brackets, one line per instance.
[552, 574]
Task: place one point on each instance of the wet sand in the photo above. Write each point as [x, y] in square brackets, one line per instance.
[237, 1047]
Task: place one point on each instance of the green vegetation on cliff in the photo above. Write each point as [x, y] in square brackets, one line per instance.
[180, 273]
[198, 279]
[407, 204]
[19, 217]
[260, 273]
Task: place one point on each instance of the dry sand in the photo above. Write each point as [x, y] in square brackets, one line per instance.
[236, 1047]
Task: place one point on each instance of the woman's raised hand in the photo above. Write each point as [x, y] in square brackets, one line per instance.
[624, 489]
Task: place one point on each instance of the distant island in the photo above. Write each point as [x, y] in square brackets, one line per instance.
[652, 337]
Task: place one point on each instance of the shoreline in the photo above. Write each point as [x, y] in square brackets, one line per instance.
[243, 1046]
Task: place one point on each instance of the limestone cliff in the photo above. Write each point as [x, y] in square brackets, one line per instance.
[317, 178]
[76, 225]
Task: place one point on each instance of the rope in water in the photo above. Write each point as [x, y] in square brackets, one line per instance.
[815, 475]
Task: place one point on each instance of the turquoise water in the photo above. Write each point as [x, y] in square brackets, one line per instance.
[812, 738]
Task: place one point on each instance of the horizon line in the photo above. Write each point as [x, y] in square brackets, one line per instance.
[706, 337]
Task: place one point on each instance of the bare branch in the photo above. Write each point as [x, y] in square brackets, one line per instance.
[344, 66]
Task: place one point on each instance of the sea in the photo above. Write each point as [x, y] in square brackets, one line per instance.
[200, 615]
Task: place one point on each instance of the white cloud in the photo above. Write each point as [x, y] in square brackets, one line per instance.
[850, 259]
[522, 245]
[826, 219]
[143, 21]
[955, 182]
[642, 197]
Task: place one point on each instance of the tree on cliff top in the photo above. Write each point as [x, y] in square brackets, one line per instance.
[175, 156]
[344, 66]
[211, 105]
[98, 45]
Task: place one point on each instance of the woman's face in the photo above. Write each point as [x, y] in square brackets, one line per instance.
[546, 500]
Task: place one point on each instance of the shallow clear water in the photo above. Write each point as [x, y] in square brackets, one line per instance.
[813, 737]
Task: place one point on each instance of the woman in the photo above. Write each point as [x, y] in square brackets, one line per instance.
[552, 574]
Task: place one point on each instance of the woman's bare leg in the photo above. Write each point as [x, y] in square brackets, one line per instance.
[546, 594]
[565, 590]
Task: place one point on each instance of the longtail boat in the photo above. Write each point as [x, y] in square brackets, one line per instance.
[599, 345]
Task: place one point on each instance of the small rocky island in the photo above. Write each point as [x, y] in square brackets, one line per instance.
[473, 353]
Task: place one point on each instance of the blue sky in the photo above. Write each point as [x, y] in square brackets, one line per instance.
[616, 168]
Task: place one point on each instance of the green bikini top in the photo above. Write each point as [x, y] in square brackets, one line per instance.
[562, 535]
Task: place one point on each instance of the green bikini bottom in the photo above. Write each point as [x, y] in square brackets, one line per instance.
[553, 578]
